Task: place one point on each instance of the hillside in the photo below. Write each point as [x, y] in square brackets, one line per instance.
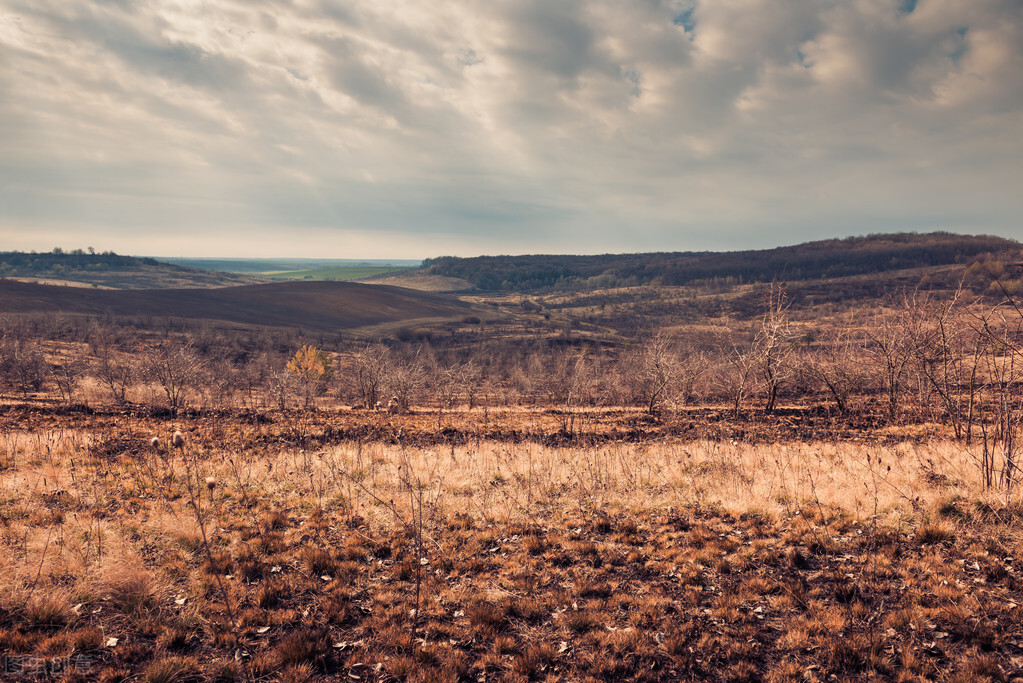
[809, 261]
[315, 306]
[110, 270]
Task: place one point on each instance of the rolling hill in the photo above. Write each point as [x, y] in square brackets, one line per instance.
[812, 260]
[316, 306]
[111, 271]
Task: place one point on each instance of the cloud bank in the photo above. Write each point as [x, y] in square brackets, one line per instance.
[389, 129]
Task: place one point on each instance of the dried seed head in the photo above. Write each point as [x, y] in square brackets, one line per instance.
[155, 442]
[211, 483]
[178, 440]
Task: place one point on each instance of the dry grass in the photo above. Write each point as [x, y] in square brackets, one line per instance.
[713, 560]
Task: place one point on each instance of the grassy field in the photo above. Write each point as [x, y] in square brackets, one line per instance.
[339, 274]
[306, 545]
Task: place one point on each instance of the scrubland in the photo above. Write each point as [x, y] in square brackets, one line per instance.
[275, 548]
[634, 483]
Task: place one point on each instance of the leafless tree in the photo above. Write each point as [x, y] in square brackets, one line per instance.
[950, 356]
[280, 386]
[366, 373]
[66, 376]
[737, 375]
[894, 338]
[456, 382]
[662, 371]
[772, 346]
[22, 365]
[1002, 326]
[405, 379]
[176, 368]
[835, 363]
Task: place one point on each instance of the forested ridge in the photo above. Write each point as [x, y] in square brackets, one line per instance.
[812, 260]
[59, 262]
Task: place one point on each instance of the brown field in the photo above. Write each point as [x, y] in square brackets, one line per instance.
[315, 306]
[500, 545]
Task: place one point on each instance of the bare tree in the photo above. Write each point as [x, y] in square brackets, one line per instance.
[950, 355]
[405, 379]
[115, 371]
[365, 374]
[458, 381]
[738, 374]
[662, 371]
[176, 368]
[1000, 394]
[894, 338]
[280, 386]
[66, 376]
[835, 362]
[772, 346]
[22, 365]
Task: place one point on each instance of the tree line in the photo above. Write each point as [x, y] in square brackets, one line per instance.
[812, 260]
[957, 359]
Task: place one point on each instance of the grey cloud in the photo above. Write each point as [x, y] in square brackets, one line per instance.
[134, 38]
[609, 125]
[351, 75]
[552, 38]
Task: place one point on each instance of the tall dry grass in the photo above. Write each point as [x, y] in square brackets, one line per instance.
[68, 512]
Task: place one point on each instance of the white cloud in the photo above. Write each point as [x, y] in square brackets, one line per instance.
[506, 125]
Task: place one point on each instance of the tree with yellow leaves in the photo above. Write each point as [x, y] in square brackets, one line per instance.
[313, 367]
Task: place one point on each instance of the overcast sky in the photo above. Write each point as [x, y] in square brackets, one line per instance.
[378, 128]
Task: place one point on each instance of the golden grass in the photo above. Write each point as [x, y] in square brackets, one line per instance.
[534, 559]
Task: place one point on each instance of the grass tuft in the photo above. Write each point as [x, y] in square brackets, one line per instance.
[934, 533]
[172, 670]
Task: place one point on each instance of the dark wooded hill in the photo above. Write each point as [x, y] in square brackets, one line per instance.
[318, 306]
[111, 270]
[812, 260]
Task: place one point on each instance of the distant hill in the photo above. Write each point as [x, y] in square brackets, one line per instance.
[318, 306]
[255, 266]
[111, 270]
[812, 260]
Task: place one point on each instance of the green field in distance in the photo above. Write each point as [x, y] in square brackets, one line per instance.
[337, 270]
[330, 274]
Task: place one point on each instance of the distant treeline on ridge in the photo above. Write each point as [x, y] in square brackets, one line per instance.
[58, 261]
[822, 259]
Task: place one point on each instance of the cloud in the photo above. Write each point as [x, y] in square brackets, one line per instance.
[507, 125]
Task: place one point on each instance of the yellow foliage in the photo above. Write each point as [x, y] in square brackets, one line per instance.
[311, 364]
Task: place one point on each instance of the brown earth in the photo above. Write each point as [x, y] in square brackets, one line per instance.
[317, 306]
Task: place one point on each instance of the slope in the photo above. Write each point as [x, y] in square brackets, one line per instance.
[812, 260]
[319, 306]
[111, 270]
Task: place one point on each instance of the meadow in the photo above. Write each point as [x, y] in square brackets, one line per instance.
[338, 274]
[366, 545]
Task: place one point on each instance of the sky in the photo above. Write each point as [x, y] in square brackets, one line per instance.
[386, 129]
